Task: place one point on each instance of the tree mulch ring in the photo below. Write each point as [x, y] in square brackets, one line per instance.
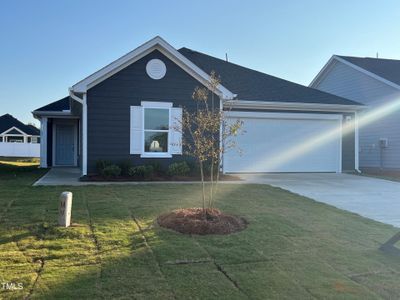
[197, 221]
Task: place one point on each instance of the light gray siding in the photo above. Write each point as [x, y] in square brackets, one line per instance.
[345, 81]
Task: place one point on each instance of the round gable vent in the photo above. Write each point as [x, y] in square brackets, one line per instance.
[156, 69]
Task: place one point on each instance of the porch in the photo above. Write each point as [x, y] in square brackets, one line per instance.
[61, 146]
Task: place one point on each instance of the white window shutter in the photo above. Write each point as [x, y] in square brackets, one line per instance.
[176, 131]
[136, 130]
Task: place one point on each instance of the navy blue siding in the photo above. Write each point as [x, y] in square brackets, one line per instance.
[109, 107]
[109, 110]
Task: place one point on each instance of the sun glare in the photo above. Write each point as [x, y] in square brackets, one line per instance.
[365, 118]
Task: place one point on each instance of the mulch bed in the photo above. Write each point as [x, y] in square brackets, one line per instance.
[98, 178]
[193, 221]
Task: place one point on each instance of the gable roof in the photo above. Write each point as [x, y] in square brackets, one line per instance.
[388, 69]
[384, 70]
[129, 58]
[253, 85]
[7, 122]
[56, 106]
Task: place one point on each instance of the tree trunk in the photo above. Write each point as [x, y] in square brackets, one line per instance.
[203, 186]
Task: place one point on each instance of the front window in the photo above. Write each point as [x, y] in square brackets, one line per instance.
[156, 128]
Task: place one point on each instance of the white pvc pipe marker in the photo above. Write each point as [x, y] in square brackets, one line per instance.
[64, 209]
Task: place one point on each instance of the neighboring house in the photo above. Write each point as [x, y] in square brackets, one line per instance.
[18, 139]
[374, 82]
[127, 109]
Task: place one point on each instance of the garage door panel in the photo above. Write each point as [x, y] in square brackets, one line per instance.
[286, 145]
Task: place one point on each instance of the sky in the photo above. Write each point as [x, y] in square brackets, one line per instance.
[47, 46]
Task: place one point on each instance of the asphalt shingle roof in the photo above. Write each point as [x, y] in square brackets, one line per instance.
[7, 121]
[388, 69]
[253, 85]
[59, 105]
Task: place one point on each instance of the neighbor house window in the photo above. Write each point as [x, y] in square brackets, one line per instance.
[156, 129]
[15, 139]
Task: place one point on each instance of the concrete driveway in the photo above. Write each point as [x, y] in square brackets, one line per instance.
[369, 197]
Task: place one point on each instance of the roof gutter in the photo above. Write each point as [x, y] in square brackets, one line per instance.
[73, 96]
[299, 106]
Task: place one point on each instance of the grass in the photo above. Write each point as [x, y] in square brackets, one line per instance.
[293, 248]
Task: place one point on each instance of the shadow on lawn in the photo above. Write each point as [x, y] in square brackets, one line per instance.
[389, 247]
[109, 256]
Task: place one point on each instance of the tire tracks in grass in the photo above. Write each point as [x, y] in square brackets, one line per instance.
[221, 270]
[41, 259]
[95, 240]
[147, 245]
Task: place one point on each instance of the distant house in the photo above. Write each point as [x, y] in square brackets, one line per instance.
[18, 139]
[127, 110]
[374, 82]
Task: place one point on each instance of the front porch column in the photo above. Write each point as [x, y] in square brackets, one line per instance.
[43, 142]
[84, 135]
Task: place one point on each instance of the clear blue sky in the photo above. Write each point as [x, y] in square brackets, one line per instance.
[47, 46]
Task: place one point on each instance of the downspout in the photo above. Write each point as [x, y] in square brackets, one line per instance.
[75, 97]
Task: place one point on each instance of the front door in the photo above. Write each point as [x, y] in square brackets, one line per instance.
[65, 145]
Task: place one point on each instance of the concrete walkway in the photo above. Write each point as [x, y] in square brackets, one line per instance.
[369, 197]
[60, 176]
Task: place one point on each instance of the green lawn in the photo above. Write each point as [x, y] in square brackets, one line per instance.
[293, 248]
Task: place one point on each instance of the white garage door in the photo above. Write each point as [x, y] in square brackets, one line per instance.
[286, 142]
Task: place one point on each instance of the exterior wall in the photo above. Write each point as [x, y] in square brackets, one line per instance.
[109, 104]
[342, 80]
[348, 139]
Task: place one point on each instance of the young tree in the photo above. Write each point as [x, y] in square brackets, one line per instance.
[207, 135]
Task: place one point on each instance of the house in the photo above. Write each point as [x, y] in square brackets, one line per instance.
[374, 82]
[18, 139]
[126, 110]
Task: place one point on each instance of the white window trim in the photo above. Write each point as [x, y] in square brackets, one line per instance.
[159, 105]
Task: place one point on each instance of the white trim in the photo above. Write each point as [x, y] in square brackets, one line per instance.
[357, 144]
[328, 64]
[296, 116]
[221, 156]
[155, 155]
[160, 105]
[74, 97]
[43, 142]
[141, 51]
[277, 115]
[340, 166]
[245, 104]
[315, 82]
[54, 145]
[84, 135]
[154, 104]
[8, 130]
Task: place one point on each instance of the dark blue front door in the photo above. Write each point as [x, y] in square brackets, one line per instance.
[65, 145]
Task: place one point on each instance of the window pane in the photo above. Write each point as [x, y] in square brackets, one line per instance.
[156, 118]
[156, 142]
[15, 139]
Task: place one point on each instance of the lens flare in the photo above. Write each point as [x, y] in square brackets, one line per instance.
[364, 119]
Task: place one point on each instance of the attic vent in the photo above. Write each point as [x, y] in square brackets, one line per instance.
[156, 69]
